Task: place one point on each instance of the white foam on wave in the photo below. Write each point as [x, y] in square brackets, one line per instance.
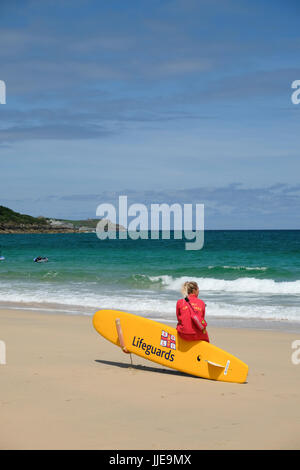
[143, 303]
[135, 302]
[261, 312]
[241, 268]
[242, 284]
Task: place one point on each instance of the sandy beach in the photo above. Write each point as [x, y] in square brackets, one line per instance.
[65, 387]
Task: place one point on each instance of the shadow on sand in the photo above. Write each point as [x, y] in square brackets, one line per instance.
[124, 365]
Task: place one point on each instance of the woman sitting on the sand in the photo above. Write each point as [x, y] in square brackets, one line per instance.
[190, 313]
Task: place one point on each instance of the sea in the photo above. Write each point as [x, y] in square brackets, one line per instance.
[247, 278]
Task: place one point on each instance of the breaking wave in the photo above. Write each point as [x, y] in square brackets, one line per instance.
[244, 284]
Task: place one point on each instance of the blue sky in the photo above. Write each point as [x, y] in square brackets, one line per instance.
[172, 100]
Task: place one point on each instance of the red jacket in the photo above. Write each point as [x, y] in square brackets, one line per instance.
[188, 328]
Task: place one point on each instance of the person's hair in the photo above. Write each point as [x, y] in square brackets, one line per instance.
[188, 288]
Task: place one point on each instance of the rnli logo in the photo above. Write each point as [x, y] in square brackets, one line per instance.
[167, 340]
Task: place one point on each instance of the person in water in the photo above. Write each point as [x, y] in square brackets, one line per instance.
[190, 312]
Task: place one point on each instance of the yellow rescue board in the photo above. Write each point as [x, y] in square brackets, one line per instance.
[160, 343]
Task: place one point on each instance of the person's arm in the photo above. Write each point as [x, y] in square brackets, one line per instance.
[177, 310]
[198, 317]
[197, 322]
[203, 321]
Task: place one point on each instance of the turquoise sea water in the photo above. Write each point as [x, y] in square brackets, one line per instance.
[241, 274]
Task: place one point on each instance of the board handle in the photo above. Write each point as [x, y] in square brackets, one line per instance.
[120, 336]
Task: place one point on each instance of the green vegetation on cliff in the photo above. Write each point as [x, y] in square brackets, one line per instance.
[11, 218]
[13, 222]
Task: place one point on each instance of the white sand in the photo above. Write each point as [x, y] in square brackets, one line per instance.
[65, 387]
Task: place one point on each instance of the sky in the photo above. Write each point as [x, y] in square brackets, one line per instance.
[164, 101]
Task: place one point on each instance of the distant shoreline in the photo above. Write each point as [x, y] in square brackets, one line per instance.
[12, 222]
[54, 231]
[44, 232]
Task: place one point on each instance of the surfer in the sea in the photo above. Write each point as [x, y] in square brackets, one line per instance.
[190, 313]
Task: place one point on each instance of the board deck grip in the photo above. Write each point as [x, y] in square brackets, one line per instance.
[120, 336]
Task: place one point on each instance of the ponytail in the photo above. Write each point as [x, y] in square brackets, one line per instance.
[188, 288]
